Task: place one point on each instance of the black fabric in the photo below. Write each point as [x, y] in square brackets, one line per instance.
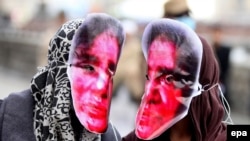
[223, 53]
[1, 118]
[1, 101]
[16, 119]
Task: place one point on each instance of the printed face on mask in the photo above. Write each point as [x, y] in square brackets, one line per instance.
[168, 89]
[91, 81]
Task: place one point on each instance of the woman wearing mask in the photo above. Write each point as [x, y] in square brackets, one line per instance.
[69, 99]
[181, 101]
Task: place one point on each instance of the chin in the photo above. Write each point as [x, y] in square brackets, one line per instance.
[97, 126]
[142, 134]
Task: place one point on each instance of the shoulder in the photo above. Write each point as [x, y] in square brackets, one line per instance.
[19, 97]
[17, 101]
[16, 116]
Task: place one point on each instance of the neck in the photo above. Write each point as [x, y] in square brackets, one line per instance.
[182, 130]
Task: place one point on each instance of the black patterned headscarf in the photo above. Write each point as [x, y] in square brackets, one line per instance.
[52, 94]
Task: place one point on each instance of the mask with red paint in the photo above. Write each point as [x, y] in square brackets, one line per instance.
[93, 59]
[173, 54]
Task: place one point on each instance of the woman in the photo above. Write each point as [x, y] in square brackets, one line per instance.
[83, 54]
[182, 97]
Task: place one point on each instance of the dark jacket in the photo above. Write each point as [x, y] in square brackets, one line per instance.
[16, 119]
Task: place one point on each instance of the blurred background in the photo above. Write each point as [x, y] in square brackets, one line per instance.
[26, 27]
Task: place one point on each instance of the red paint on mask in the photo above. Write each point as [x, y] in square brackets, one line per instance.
[91, 81]
[159, 104]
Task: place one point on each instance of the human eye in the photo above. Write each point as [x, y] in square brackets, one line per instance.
[168, 78]
[87, 67]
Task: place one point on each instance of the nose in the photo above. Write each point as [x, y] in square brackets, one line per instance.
[102, 85]
[152, 94]
[102, 81]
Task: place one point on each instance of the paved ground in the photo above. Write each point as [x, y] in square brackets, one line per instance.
[122, 109]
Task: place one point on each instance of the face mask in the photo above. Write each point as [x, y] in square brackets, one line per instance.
[173, 60]
[188, 21]
[91, 78]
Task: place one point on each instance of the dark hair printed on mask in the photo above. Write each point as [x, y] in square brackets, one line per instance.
[182, 36]
[87, 32]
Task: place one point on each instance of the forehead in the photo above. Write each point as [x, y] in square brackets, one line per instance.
[104, 44]
[162, 52]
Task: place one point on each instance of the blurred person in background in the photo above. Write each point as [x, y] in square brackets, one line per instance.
[5, 20]
[222, 52]
[69, 98]
[182, 99]
[180, 11]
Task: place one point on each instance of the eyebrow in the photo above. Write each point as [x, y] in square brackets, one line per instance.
[82, 57]
[162, 71]
[165, 70]
[87, 57]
